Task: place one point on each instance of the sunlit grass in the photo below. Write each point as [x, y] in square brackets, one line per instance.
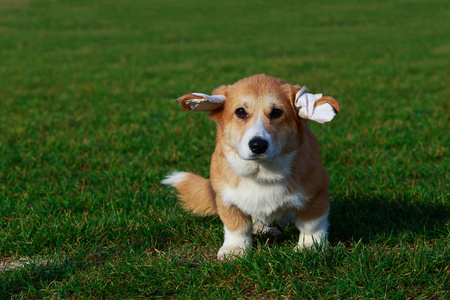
[88, 129]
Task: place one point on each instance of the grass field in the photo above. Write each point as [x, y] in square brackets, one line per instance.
[88, 130]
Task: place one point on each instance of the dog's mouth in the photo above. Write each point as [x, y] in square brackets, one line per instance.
[256, 157]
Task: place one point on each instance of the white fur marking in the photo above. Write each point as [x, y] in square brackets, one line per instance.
[256, 130]
[236, 242]
[315, 231]
[174, 178]
[276, 169]
[265, 201]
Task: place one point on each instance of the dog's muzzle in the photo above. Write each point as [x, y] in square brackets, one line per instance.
[258, 145]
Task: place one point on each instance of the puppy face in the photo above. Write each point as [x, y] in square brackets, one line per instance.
[258, 120]
[259, 117]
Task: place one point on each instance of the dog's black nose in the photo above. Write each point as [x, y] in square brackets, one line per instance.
[258, 145]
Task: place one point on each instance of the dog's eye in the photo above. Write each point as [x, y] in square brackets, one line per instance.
[241, 113]
[276, 113]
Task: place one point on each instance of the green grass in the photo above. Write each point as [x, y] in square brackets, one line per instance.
[88, 129]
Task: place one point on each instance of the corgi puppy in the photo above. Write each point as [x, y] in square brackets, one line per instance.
[266, 166]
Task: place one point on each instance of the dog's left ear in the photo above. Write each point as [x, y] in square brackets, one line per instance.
[315, 107]
[201, 102]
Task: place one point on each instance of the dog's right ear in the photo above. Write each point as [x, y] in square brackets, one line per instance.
[203, 102]
[315, 107]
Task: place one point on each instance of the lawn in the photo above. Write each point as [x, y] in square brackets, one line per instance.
[88, 129]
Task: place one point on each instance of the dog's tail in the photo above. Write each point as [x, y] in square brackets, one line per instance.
[196, 192]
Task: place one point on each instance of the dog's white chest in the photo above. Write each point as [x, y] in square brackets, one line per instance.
[265, 201]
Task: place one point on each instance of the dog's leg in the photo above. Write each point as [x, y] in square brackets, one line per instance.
[238, 231]
[312, 222]
[312, 232]
[236, 242]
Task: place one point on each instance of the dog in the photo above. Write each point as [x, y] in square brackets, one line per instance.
[266, 166]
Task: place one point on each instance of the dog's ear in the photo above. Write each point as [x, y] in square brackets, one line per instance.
[221, 90]
[315, 107]
[201, 102]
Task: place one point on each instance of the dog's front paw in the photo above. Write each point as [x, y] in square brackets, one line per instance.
[229, 252]
[313, 242]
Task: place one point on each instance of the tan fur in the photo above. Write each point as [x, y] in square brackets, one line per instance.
[232, 217]
[308, 171]
[197, 195]
[329, 100]
[312, 176]
[220, 90]
[182, 101]
[259, 94]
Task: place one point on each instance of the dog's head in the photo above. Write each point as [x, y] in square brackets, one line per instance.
[259, 117]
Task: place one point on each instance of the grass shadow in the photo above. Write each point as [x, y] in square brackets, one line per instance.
[376, 220]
